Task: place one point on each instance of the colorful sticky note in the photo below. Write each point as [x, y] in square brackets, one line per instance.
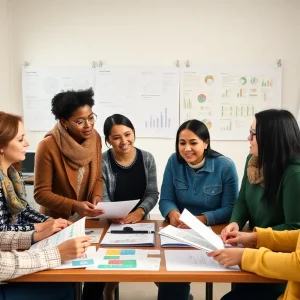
[113, 252]
[85, 262]
[128, 252]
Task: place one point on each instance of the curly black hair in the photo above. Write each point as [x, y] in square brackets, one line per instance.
[65, 103]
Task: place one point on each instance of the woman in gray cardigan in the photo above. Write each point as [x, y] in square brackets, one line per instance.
[128, 173]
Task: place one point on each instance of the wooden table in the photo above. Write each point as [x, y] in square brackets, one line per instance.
[82, 275]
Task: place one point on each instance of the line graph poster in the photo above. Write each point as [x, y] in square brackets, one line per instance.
[40, 85]
[227, 99]
[149, 97]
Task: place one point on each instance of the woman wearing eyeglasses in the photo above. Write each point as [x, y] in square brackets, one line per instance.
[68, 161]
[270, 190]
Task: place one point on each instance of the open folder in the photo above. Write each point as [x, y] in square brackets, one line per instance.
[140, 234]
[202, 237]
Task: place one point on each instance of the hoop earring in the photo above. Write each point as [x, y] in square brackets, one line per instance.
[66, 127]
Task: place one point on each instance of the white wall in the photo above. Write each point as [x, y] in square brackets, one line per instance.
[157, 32]
[5, 57]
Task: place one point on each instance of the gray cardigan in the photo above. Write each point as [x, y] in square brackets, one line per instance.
[109, 181]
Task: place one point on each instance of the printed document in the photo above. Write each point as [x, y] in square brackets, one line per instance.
[86, 259]
[204, 238]
[125, 259]
[193, 260]
[75, 230]
[116, 209]
[94, 233]
[168, 242]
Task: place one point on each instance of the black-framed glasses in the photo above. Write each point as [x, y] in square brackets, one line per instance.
[251, 134]
[82, 122]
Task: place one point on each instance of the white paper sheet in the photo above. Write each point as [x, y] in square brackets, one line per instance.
[94, 233]
[147, 95]
[166, 241]
[75, 230]
[117, 209]
[39, 85]
[87, 259]
[124, 259]
[201, 229]
[227, 98]
[194, 240]
[193, 260]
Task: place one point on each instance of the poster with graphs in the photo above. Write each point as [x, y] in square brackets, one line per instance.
[40, 85]
[226, 99]
[148, 96]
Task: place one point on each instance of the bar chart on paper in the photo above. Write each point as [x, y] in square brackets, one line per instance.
[159, 121]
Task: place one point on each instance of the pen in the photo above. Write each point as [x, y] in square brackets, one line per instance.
[131, 232]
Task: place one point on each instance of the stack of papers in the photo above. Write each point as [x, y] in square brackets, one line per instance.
[168, 242]
[141, 234]
[204, 238]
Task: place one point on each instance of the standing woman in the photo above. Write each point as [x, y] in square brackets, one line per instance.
[15, 212]
[68, 160]
[270, 189]
[199, 179]
[128, 173]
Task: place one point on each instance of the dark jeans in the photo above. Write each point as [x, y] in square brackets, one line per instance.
[254, 291]
[93, 291]
[173, 291]
[37, 291]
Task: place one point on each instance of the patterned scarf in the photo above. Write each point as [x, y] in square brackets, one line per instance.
[14, 191]
[76, 155]
[255, 175]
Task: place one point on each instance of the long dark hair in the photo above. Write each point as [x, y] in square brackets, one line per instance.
[199, 129]
[115, 119]
[278, 140]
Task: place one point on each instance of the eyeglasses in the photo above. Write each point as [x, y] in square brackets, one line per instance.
[251, 134]
[82, 122]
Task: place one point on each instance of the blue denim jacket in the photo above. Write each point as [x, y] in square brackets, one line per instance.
[211, 191]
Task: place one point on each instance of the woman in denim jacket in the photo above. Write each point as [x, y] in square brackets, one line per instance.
[199, 179]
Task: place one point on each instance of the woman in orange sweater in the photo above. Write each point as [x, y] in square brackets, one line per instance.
[68, 172]
[284, 265]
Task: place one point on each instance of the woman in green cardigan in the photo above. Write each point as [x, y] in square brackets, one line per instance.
[270, 191]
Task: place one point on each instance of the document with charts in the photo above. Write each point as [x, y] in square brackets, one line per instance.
[168, 242]
[193, 260]
[75, 230]
[130, 239]
[125, 259]
[204, 238]
[86, 260]
[94, 233]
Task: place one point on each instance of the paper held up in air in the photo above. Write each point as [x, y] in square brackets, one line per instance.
[116, 209]
[203, 238]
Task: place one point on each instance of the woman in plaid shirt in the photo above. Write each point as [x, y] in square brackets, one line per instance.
[15, 264]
